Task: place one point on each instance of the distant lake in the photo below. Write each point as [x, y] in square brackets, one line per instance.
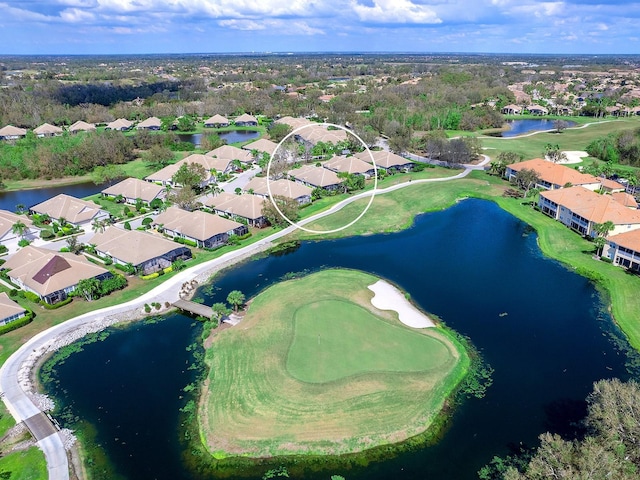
[541, 326]
[518, 127]
[232, 136]
[34, 196]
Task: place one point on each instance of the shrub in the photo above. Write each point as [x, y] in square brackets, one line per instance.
[32, 297]
[23, 242]
[65, 250]
[64, 302]
[3, 249]
[127, 226]
[117, 282]
[185, 241]
[21, 322]
[150, 276]
[47, 234]
[147, 308]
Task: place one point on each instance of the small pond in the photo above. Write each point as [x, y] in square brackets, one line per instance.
[519, 127]
[34, 196]
[232, 136]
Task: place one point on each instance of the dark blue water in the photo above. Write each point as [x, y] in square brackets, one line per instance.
[539, 325]
[29, 198]
[232, 136]
[518, 127]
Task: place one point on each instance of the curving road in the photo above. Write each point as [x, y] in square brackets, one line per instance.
[15, 386]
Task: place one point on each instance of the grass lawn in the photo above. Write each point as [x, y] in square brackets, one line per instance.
[315, 368]
[532, 146]
[24, 464]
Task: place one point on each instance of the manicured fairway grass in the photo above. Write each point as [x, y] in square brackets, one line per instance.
[532, 146]
[323, 347]
[315, 368]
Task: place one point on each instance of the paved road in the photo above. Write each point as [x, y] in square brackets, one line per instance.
[14, 373]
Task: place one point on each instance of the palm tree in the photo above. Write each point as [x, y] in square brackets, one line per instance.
[20, 208]
[19, 228]
[98, 226]
[602, 230]
[236, 298]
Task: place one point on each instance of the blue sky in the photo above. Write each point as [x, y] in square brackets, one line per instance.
[186, 26]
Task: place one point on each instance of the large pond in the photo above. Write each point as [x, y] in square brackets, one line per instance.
[519, 127]
[232, 136]
[29, 198]
[542, 328]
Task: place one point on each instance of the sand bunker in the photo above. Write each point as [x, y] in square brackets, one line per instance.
[388, 297]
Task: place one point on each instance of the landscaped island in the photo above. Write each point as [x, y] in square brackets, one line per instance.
[315, 368]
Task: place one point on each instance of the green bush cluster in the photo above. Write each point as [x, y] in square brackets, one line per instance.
[64, 302]
[21, 322]
[185, 241]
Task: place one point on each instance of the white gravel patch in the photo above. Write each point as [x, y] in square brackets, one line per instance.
[388, 297]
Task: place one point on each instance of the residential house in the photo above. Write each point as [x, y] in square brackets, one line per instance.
[243, 208]
[217, 121]
[625, 199]
[205, 229]
[146, 252]
[624, 250]
[315, 177]
[582, 209]
[74, 210]
[282, 187]
[537, 110]
[8, 220]
[261, 145]
[121, 124]
[229, 152]
[294, 122]
[47, 130]
[350, 164]
[210, 163]
[12, 133]
[132, 189]
[246, 120]
[386, 160]
[316, 133]
[511, 109]
[10, 310]
[51, 275]
[553, 176]
[151, 123]
[81, 126]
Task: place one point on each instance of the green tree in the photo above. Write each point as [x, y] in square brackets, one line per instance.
[186, 124]
[602, 231]
[289, 207]
[178, 264]
[236, 298]
[526, 179]
[554, 154]
[277, 131]
[89, 288]
[190, 175]
[158, 157]
[20, 228]
[219, 311]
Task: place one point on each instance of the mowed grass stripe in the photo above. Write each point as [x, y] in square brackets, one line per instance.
[334, 339]
[254, 406]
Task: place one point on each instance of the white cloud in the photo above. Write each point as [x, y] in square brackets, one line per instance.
[75, 15]
[395, 11]
[277, 26]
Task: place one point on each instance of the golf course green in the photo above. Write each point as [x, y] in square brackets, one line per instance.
[315, 368]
